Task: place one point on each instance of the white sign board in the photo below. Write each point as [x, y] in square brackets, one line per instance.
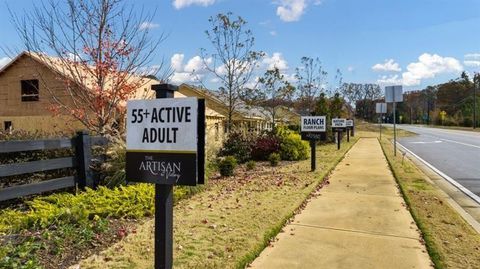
[164, 141]
[381, 108]
[349, 123]
[393, 94]
[168, 125]
[339, 123]
[314, 124]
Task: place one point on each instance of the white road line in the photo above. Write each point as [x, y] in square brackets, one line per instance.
[426, 142]
[460, 143]
[449, 179]
[447, 140]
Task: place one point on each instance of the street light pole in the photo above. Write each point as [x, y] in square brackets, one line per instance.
[474, 103]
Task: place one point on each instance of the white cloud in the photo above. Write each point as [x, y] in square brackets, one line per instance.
[197, 65]
[290, 78]
[291, 10]
[215, 80]
[350, 69]
[389, 80]
[178, 4]
[193, 71]
[4, 61]
[472, 63]
[183, 77]
[428, 66]
[276, 60]
[273, 33]
[177, 61]
[472, 60]
[472, 56]
[253, 83]
[388, 65]
[148, 25]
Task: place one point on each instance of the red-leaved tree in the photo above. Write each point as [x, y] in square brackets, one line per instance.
[100, 49]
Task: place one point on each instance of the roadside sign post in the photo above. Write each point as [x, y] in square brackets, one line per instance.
[339, 126]
[394, 94]
[381, 108]
[313, 155]
[350, 127]
[165, 146]
[353, 128]
[313, 129]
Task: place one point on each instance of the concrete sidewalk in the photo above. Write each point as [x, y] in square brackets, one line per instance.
[358, 221]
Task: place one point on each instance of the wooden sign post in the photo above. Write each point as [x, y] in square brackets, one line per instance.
[349, 129]
[165, 146]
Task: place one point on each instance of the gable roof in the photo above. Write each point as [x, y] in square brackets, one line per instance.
[216, 102]
[80, 75]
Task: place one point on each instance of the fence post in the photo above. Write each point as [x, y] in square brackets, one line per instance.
[83, 154]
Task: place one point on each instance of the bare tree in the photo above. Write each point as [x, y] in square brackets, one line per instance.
[102, 50]
[273, 91]
[356, 92]
[310, 83]
[338, 82]
[352, 92]
[233, 59]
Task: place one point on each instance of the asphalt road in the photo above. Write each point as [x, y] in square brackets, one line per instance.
[453, 152]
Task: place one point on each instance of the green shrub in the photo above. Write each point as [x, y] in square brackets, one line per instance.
[294, 127]
[237, 145]
[293, 148]
[274, 159]
[251, 165]
[132, 201]
[227, 166]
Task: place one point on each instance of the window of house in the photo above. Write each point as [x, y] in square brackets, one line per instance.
[217, 131]
[30, 90]
[7, 125]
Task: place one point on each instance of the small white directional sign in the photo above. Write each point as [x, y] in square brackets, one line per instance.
[381, 108]
[162, 141]
[349, 124]
[339, 124]
[314, 124]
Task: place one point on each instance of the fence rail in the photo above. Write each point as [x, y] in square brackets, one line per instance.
[81, 161]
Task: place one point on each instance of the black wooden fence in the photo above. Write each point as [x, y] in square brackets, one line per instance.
[82, 144]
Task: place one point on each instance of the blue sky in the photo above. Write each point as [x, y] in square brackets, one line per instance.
[411, 42]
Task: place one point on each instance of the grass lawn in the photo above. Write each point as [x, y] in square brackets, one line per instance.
[55, 231]
[450, 241]
[232, 221]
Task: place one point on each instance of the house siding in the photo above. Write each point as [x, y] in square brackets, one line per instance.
[33, 116]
